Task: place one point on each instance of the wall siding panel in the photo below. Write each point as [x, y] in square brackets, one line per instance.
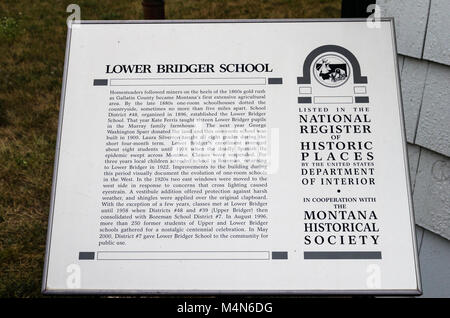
[431, 193]
[410, 23]
[437, 39]
[433, 131]
[413, 78]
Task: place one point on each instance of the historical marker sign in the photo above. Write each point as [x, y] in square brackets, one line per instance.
[244, 156]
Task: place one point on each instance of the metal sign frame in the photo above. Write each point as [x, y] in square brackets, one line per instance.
[385, 292]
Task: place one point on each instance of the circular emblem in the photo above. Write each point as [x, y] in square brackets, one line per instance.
[331, 69]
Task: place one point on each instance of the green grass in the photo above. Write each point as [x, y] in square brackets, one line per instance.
[32, 43]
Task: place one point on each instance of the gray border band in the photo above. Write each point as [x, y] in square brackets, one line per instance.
[342, 255]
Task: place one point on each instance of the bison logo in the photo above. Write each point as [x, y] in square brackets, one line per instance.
[331, 70]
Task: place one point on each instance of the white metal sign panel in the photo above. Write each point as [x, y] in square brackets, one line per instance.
[231, 157]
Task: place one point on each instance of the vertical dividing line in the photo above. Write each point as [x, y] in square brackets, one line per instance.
[421, 103]
[421, 240]
[403, 64]
[417, 170]
[426, 29]
[428, 66]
